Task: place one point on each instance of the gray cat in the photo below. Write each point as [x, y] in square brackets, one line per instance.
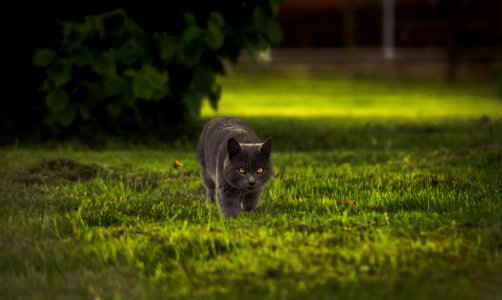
[234, 164]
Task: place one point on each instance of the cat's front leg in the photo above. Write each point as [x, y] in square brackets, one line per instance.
[250, 201]
[208, 183]
[229, 204]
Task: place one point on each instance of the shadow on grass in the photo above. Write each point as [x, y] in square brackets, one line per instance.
[305, 134]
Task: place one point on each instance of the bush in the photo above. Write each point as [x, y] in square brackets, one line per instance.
[140, 70]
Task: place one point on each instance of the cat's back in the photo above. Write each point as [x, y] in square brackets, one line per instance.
[223, 128]
[217, 132]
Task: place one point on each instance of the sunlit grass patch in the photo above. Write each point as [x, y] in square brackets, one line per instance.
[303, 96]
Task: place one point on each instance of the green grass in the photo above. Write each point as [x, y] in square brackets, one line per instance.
[382, 190]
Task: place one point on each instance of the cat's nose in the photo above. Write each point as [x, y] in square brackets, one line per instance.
[251, 181]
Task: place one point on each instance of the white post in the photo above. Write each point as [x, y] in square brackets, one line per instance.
[388, 29]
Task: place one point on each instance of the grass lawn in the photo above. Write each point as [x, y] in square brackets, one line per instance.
[382, 190]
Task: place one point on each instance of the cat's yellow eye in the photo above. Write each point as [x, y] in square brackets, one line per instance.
[242, 171]
[259, 170]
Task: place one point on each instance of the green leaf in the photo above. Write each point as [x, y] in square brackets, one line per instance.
[255, 42]
[203, 80]
[150, 84]
[103, 64]
[129, 72]
[140, 88]
[85, 29]
[114, 23]
[114, 85]
[66, 116]
[191, 55]
[57, 100]
[44, 57]
[193, 103]
[60, 72]
[266, 25]
[214, 96]
[98, 26]
[46, 86]
[84, 112]
[191, 33]
[260, 18]
[129, 100]
[81, 56]
[168, 46]
[274, 5]
[136, 32]
[216, 20]
[274, 33]
[168, 51]
[67, 28]
[126, 53]
[115, 109]
[214, 38]
[190, 19]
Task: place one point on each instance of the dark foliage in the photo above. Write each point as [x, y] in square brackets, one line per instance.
[132, 69]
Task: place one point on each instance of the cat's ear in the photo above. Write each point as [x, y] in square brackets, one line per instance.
[233, 147]
[266, 147]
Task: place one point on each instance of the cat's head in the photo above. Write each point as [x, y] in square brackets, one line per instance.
[248, 166]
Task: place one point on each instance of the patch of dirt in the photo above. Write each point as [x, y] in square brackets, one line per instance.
[59, 171]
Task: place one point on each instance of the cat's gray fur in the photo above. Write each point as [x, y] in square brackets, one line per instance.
[226, 145]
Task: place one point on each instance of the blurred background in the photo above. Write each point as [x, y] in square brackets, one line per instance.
[143, 72]
[446, 39]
